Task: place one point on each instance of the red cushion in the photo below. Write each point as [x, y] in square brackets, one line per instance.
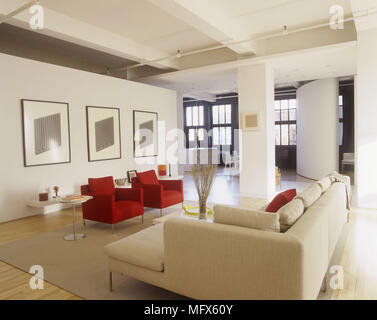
[127, 210]
[289, 194]
[147, 177]
[171, 197]
[281, 200]
[102, 186]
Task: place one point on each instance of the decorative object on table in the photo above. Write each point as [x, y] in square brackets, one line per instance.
[145, 134]
[46, 135]
[43, 196]
[250, 121]
[131, 174]
[103, 133]
[203, 176]
[120, 182]
[72, 198]
[169, 170]
[195, 211]
[56, 190]
[161, 170]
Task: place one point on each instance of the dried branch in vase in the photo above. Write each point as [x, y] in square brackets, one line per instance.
[203, 176]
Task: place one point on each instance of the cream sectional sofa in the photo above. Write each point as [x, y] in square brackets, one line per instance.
[205, 260]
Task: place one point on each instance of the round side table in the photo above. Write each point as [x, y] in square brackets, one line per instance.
[75, 236]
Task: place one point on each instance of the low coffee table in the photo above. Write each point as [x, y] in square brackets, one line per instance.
[180, 214]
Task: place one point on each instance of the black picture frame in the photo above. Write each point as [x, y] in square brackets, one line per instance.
[128, 175]
[134, 133]
[88, 134]
[24, 133]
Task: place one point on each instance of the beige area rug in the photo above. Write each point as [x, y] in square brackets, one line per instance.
[80, 267]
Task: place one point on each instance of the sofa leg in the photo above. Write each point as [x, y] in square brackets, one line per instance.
[160, 212]
[182, 205]
[83, 222]
[112, 228]
[142, 218]
[111, 281]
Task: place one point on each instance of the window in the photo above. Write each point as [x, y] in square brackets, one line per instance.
[222, 125]
[340, 115]
[285, 122]
[194, 125]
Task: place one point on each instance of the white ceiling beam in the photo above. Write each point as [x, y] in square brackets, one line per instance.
[66, 28]
[199, 15]
[361, 7]
[203, 96]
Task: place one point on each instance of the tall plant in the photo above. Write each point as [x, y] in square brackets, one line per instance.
[203, 176]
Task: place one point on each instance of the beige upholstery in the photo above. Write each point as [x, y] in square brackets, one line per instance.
[148, 241]
[325, 183]
[290, 213]
[310, 195]
[248, 218]
[204, 260]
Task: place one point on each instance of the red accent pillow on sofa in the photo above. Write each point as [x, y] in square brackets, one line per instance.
[147, 177]
[102, 186]
[281, 200]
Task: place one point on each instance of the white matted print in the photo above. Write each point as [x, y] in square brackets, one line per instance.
[46, 133]
[145, 134]
[103, 131]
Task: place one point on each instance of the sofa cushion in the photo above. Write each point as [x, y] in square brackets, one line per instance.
[325, 183]
[310, 195]
[144, 249]
[290, 213]
[245, 217]
[102, 186]
[147, 177]
[280, 200]
[171, 197]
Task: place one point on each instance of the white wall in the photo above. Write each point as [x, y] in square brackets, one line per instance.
[317, 128]
[365, 118]
[27, 79]
[257, 149]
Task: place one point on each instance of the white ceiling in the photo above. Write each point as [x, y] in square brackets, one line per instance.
[153, 24]
[326, 62]
[135, 19]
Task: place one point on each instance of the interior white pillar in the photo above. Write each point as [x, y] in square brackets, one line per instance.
[257, 149]
[317, 128]
[365, 119]
[181, 135]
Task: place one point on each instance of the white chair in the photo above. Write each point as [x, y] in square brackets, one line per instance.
[348, 159]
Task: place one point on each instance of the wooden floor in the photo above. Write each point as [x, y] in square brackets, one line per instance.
[14, 283]
[359, 259]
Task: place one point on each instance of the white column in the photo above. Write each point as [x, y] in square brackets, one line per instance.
[366, 119]
[317, 128]
[181, 140]
[257, 149]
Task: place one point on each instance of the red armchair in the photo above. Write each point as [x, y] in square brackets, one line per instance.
[158, 194]
[109, 204]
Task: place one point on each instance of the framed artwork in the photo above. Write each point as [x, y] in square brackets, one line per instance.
[131, 174]
[250, 121]
[145, 134]
[103, 133]
[46, 133]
